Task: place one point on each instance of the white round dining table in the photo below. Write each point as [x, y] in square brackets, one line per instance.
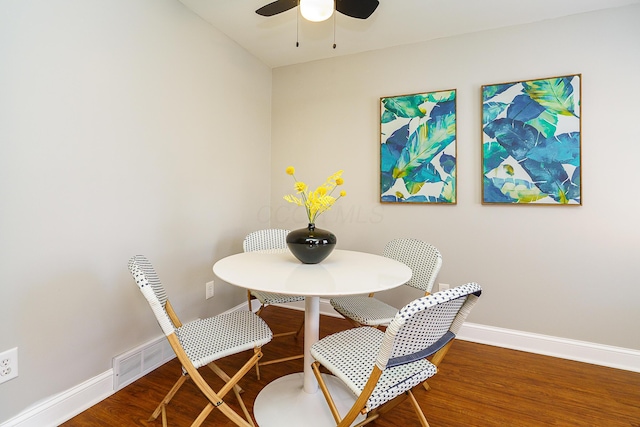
[294, 400]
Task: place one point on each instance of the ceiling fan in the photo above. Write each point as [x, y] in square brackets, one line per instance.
[360, 9]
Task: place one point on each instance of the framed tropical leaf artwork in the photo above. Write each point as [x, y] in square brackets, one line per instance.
[531, 142]
[418, 148]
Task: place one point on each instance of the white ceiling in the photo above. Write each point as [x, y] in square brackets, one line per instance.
[395, 22]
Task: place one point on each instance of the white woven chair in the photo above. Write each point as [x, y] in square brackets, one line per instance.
[381, 368]
[200, 342]
[269, 239]
[425, 262]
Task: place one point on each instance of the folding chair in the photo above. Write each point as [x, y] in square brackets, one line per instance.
[425, 262]
[268, 239]
[200, 342]
[381, 368]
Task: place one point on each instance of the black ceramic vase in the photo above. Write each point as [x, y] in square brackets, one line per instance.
[311, 245]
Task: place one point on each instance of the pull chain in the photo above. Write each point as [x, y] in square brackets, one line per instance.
[298, 26]
[334, 24]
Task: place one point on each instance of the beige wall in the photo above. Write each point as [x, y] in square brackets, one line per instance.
[120, 134]
[126, 127]
[558, 271]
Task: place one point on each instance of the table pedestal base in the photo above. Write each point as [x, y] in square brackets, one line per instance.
[284, 403]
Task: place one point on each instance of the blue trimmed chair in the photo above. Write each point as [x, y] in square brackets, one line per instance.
[381, 368]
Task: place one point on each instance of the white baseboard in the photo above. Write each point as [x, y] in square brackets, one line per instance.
[68, 404]
[563, 348]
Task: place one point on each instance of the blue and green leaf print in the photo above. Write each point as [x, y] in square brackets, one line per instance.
[418, 150]
[531, 141]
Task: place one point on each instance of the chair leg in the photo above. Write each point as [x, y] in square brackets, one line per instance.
[223, 375]
[249, 299]
[437, 359]
[244, 408]
[162, 407]
[416, 407]
[167, 399]
[332, 406]
[233, 416]
[226, 410]
[203, 415]
[257, 367]
[282, 359]
[257, 354]
[230, 384]
[380, 410]
[215, 399]
[353, 322]
[281, 334]
[300, 328]
[284, 334]
[377, 412]
[370, 418]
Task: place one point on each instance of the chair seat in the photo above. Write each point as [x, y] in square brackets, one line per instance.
[350, 355]
[364, 310]
[268, 298]
[235, 332]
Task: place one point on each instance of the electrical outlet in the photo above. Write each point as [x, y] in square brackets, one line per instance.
[8, 364]
[443, 286]
[209, 293]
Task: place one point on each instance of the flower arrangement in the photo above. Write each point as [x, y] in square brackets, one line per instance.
[319, 200]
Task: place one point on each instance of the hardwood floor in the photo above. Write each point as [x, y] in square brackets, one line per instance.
[477, 385]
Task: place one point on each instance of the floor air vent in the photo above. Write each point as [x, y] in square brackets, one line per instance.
[138, 362]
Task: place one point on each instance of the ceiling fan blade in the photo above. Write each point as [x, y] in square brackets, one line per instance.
[276, 7]
[361, 9]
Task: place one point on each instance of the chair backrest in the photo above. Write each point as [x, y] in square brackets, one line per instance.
[149, 284]
[426, 324]
[269, 238]
[424, 260]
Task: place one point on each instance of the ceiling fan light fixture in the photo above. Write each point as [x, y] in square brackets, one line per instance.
[316, 10]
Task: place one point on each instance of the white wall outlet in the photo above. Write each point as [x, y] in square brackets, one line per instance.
[8, 364]
[443, 286]
[210, 291]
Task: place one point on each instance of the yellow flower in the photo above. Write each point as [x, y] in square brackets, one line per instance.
[300, 187]
[295, 200]
[318, 201]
